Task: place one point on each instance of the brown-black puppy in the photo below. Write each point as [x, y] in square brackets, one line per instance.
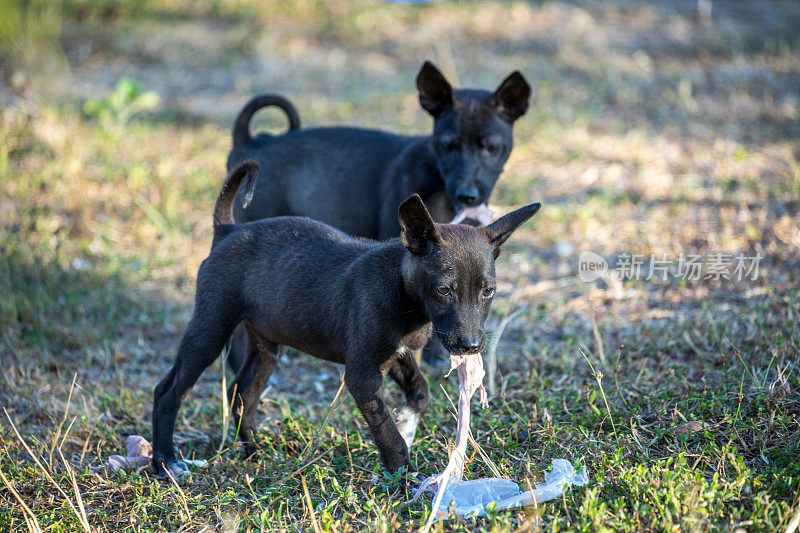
[365, 304]
[354, 178]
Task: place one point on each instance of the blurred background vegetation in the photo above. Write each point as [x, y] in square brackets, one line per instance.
[655, 128]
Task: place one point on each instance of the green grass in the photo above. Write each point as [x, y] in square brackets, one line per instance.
[685, 408]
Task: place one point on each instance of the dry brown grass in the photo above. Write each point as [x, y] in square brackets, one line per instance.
[652, 131]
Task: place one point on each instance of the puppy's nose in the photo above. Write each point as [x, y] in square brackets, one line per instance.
[470, 344]
[467, 196]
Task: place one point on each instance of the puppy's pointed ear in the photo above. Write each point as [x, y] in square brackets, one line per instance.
[502, 228]
[435, 92]
[510, 100]
[417, 229]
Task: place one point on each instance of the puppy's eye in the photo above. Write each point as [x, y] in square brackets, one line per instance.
[449, 145]
[487, 292]
[444, 290]
[491, 148]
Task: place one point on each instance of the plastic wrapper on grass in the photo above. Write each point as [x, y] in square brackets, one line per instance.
[463, 498]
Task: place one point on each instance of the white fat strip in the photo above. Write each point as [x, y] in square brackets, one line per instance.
[470, 377]
[481, 213]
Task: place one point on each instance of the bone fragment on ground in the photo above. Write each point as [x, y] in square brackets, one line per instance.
[139, 455]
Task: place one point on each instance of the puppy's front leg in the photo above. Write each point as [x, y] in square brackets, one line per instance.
[405, 372]
[366, 386]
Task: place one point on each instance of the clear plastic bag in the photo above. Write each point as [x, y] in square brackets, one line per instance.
[472, 497]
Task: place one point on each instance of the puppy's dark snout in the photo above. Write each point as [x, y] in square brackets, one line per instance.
[468, 196]
[471, 344]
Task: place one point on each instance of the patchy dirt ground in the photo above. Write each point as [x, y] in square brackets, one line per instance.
[657, 132]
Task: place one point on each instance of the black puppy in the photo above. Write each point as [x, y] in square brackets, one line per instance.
[365, 304]
[354, 179]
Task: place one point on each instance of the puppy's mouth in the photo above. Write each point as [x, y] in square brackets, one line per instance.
[460, 353]
[480, 213]
[454, 350]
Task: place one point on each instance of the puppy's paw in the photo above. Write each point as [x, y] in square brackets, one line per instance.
[248, 450]
[173, 468]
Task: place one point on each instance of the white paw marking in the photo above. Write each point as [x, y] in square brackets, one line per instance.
[407, 421]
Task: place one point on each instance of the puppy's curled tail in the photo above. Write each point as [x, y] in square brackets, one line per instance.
[241, 128]
[246, 172]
